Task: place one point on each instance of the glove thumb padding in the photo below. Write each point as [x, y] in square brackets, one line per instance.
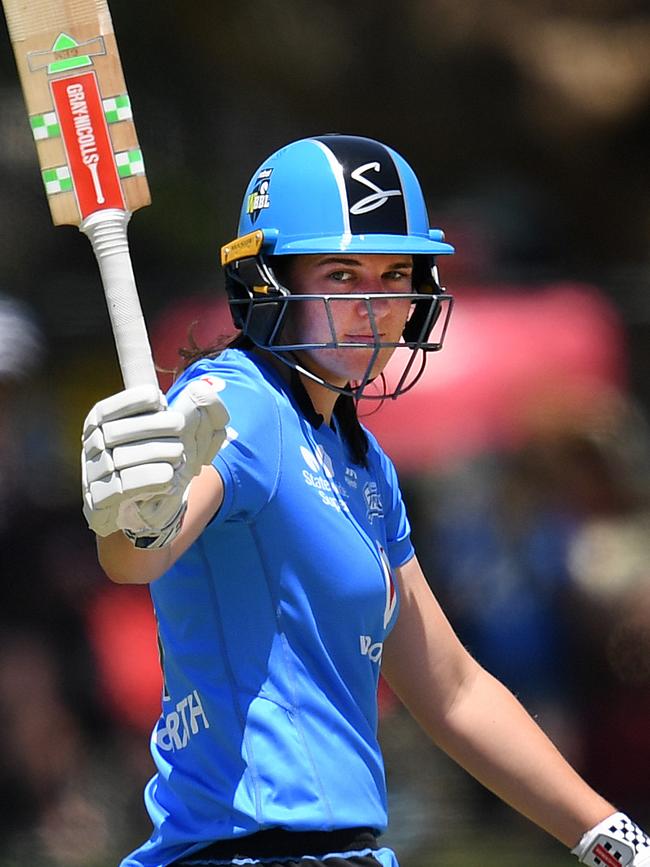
[205, 421]
[203, 433]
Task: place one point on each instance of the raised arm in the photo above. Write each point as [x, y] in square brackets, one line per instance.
[123, 563]
[478, 722]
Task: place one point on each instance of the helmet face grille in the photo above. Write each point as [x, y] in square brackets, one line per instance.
[375, 197]
[261, 307]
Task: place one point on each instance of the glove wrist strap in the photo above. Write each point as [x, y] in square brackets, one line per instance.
[150, 539]
[614, 842]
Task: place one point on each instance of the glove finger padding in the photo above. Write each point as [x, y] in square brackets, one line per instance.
[143, 481]
[151, 426]
[131, 449]
[133, 454]
[139, 400]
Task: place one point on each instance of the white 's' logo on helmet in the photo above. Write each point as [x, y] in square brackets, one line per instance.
[377, 198]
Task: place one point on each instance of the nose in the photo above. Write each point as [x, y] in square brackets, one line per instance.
[380, 305]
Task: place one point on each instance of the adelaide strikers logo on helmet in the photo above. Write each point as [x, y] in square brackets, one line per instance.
[377, 197]
[258, 198]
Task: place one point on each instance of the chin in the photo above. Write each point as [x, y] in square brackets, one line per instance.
[355, 369]
[349, 365]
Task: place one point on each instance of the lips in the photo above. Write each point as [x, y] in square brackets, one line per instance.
[362, 338]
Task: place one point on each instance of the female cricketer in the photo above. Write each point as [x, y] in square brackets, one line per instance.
[270, 527]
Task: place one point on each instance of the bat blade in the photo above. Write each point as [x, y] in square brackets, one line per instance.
[92, 168]
[78, 106]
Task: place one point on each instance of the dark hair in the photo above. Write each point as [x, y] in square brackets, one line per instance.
[345, 408]
[345, 412]
[193, 352]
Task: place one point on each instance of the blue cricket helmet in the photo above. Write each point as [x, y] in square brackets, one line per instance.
[337, 193]
[334, 194]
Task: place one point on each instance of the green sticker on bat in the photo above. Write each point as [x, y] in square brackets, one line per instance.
[129, 163]
[57, 180]
[65, 43]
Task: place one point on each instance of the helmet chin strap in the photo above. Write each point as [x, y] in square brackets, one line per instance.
[358, 391]
[290, 359]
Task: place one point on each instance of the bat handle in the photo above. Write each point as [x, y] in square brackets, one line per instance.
[106, 230]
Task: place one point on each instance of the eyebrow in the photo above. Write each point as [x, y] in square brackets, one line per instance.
[338, 260]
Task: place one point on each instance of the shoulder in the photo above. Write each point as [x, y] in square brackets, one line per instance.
[231, 365]
[237, 375]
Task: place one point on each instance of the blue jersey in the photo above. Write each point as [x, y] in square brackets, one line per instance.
[271, 629]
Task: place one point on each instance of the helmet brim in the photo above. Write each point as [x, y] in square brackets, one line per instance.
[361, 244]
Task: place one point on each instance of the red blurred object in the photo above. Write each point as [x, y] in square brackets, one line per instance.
[387, 701]
[206, 319]
[506, 352]
[122, 634]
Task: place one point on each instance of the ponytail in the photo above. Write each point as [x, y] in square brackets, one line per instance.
[345, 412]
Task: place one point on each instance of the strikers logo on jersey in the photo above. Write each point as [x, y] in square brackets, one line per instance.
[372, 497]
[258, 198]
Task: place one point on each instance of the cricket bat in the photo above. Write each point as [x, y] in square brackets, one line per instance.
[91, 164]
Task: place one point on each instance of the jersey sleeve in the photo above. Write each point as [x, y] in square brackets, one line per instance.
[248, 462]
[398, 529]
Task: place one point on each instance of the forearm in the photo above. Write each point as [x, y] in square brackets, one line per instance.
[125, 564]
[489, 733]
[477, 721]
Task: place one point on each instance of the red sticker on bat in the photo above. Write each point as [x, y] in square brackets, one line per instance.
[87, 143]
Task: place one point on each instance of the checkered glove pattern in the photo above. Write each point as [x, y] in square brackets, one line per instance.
[139, 457]
[615, 842]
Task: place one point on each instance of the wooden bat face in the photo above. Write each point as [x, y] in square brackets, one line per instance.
[78, 106]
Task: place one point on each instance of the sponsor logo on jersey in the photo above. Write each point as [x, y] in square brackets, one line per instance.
[320, 476]
[177, 726]
[373, 650]
[318, 460]
[368, 647]
[374, 505]
[258, 198]
[351, 477]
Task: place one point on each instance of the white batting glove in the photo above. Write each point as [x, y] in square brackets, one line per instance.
[139, 457]
[615, 842]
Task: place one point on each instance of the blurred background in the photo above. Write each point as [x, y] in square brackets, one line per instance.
[524, 453]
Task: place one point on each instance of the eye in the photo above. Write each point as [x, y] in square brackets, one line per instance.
[340, 276]
[403, 278]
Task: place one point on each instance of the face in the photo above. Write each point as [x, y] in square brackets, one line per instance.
[351, 320]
